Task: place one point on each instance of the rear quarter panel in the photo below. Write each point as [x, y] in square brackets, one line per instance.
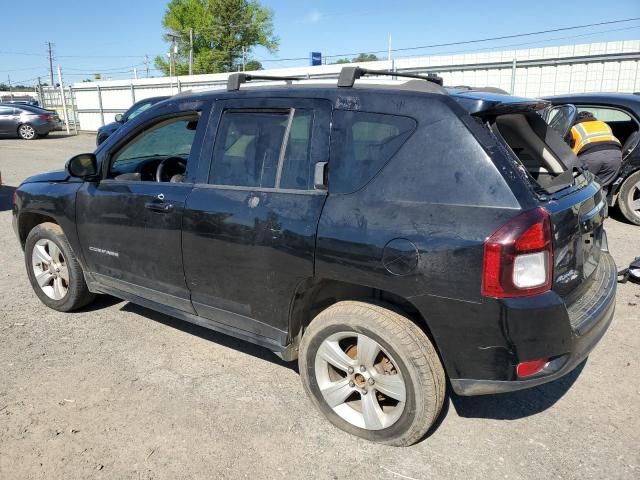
[443, 193]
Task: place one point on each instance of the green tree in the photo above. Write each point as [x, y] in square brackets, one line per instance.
[363, 57]
[253, 65]
[221, 29]
[4, 86]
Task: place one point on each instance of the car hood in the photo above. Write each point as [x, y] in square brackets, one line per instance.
[53, 176]
[109, 128]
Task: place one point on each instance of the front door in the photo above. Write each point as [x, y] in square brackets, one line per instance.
[250, 224]
[129, 223]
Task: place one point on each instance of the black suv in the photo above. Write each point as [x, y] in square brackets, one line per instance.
[391, 236]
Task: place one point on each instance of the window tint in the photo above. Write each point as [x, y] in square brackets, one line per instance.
[6, 111]
[138, 110]
[170, 138]
[606, 114]
[361, 144]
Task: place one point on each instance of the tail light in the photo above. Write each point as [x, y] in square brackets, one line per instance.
[46, 117]
[527, 369]
[518, 257]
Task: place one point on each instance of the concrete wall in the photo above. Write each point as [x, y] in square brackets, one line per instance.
[610, 66]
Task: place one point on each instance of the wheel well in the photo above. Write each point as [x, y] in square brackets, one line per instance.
[28, 221]
[314, 296]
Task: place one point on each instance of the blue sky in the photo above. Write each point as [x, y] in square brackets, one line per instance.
[113, 36]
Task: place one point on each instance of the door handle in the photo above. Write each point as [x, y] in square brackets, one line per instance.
[159, 207]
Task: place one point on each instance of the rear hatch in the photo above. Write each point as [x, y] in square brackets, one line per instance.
[569, 194]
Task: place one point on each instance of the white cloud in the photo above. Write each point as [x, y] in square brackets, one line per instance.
[314, 16]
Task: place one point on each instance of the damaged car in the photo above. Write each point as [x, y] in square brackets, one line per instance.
[392, 236]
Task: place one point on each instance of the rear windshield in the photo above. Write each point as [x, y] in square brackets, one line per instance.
[542, 152]
[32, 109]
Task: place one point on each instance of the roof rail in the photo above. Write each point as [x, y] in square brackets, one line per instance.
[348, 75]
[236, 79]
[481, 89]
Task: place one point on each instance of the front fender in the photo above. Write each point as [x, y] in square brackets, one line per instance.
[38, 202]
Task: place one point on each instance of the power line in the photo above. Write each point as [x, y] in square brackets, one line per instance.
[490, 39]
[103, 70]
[465, 42]
[524, 44]
[21, 69]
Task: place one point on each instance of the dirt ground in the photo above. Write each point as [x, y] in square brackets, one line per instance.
[121, 392]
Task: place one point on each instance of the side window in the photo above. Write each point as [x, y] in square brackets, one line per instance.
[139, 109]
[361, 144]
[140, 157]
[252, 149]
[6, 111]
[606, 114]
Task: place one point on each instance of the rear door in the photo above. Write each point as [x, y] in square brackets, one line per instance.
[7, 121]
[250, 223]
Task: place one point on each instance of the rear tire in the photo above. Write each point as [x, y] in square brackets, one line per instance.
[629, 198]
[54, 272]
[27, 132]
[372, 372]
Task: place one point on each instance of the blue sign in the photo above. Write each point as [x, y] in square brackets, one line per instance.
[316, 58]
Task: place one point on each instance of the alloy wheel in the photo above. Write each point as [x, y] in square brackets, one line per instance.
[50, 269]
[27, 132]
[634, 198]
[360, 380]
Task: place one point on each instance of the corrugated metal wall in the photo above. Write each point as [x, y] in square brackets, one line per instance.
[610, 66]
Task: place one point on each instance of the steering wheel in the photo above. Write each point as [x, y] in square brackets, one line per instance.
[179, 167]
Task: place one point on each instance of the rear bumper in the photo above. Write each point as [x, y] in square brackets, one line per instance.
[589, 318]
[45, 127]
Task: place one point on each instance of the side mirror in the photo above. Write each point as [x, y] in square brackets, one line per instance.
[118, 118]
[82, 166]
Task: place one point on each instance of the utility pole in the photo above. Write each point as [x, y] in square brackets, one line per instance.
[191, 51]
[389, 49]
[40, 95]
[172, 54]
[50, 64]
[64, 100]
[10, 90]
[135, 73]
[146, 64]
[244, 58]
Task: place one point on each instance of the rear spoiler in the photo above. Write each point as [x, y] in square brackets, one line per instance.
[488, 104]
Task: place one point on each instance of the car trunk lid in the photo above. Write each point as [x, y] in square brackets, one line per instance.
[573, 199]
[577, 217]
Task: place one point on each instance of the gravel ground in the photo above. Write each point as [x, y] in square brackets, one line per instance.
[118, 391]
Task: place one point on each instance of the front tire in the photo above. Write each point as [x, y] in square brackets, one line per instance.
[629, 198]
[372, 372]
[27, 132]
[54, 272]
